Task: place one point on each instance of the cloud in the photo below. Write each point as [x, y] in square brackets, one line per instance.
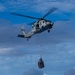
[2, 8]
[5, 50]
[45, 74]
[4, 22]
[65, 6]
[13, 5]
[70, 72]
[11, 52]
[34, 72]
[8, 34]
[36, 6]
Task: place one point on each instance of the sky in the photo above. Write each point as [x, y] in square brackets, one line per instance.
[19, 56]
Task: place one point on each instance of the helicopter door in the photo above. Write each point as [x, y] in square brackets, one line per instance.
[37, 26]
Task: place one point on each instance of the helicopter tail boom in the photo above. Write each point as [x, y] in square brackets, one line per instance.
[24, 35]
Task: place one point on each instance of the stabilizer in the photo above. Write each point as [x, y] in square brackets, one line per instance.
[19, 35]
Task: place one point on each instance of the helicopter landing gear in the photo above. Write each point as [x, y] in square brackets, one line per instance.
[48, 30]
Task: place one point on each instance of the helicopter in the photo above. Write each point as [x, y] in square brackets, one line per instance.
[39, 26]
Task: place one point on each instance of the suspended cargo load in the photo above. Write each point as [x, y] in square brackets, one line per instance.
[41, 63]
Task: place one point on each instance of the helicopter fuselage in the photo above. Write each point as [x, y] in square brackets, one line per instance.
[38, 27]
[41, 25]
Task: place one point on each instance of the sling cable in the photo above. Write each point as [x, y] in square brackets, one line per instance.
[40, 62]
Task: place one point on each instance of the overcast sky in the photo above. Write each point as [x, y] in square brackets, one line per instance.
[20, 57]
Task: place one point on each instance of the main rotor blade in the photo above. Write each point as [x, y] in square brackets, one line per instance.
[24, 15]
[31, 23]
[51, 11]
[64, 20]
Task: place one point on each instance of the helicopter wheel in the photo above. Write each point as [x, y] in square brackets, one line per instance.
[48, 31]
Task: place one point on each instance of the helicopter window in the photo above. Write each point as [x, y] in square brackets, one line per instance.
[37, 26]
[43, 21]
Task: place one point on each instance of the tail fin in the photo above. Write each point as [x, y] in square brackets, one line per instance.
[23, 31]
[26, 35]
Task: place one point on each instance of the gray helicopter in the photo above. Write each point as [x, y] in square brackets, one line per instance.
[37, 27]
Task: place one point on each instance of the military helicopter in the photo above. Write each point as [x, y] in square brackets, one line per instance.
[39, 26]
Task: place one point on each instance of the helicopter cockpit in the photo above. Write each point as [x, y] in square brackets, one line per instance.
[37, 25]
